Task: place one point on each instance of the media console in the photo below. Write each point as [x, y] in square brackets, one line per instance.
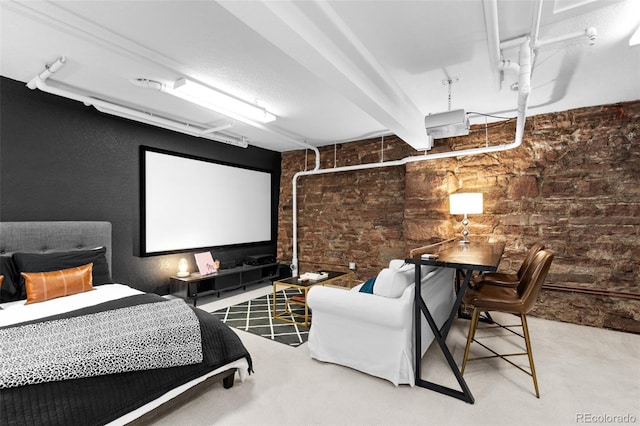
[196, 285]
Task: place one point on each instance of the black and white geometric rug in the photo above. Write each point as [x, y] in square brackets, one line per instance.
[256, 316]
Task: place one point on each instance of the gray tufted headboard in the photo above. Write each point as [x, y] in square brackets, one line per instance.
[54, 236]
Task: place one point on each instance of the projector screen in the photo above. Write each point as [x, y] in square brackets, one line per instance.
[190, 203]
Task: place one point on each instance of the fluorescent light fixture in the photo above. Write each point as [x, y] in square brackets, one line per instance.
[218, 101]
[635, 38]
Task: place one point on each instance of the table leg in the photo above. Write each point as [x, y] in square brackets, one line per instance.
[275, 306]
[306, 307]
[417, 320]
[459, 280]
[420, 307]
[456, 307]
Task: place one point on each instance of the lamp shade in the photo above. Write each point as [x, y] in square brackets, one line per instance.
[465, 203]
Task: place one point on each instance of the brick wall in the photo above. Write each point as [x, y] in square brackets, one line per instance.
[573, 184]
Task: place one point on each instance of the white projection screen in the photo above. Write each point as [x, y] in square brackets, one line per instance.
[190, 203]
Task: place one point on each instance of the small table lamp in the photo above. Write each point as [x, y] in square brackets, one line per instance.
[183, 267]
[465, 203]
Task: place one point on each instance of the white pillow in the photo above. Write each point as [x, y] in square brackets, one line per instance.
[392, 283]
[394, 280]
[400, 265]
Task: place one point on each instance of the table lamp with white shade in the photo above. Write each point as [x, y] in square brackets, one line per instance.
[465, 203]
[183, 267]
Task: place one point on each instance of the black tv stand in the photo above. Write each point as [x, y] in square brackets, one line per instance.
[196, 285]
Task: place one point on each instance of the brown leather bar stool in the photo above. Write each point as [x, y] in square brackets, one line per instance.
[517, 300]
[509, 280]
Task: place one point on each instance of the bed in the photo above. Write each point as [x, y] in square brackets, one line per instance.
[152, 353]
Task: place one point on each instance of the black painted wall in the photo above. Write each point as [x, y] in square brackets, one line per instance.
[61, 160]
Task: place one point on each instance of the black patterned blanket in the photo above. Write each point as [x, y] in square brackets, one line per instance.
[139, 337]
[101, 399]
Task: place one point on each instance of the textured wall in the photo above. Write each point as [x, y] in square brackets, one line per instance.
[348, 216]
[573, 184]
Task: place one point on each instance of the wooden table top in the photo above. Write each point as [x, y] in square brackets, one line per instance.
[477, 256]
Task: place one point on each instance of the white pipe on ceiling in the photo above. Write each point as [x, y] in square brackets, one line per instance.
[524, 91]
[39, 82]
[219, 128]
[493, 39]
[535, 23]
[57, 16]
[591, 33]
[132, 114]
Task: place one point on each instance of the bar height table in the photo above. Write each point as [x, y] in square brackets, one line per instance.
[465, 258]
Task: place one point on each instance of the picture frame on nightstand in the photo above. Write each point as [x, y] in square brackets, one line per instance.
[206, 265]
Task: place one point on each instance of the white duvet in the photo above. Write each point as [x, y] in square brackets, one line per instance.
[15, 312]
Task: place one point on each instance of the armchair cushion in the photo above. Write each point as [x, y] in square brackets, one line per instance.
[394, 280]
[390, 283]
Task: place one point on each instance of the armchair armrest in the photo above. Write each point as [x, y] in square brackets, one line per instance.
[383, 311]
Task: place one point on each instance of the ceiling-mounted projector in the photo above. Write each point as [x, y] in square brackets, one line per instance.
[447, 124]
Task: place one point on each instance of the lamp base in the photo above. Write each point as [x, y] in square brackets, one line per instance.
[465, 230]
[182, 274]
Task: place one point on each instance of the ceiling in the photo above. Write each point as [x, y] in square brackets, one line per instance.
[331, 71]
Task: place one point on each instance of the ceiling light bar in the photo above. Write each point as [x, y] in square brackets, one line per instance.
[218, 101]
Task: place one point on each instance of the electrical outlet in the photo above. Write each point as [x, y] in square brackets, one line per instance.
[352, 266]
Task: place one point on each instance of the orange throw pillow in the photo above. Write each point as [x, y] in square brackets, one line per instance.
[43, 286]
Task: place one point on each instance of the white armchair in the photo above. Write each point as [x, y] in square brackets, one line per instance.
[373, 333]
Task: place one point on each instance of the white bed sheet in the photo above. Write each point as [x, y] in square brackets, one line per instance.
[16, 312]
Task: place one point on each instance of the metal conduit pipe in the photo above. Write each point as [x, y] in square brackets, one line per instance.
[493, 39]
[591, 33]
[498, 63]
[219, 128]
[39, 82]
[535, 23]
[524, 90]
[143, 117]
[48, 72]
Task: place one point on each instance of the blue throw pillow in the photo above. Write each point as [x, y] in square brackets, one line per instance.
[367, 287]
